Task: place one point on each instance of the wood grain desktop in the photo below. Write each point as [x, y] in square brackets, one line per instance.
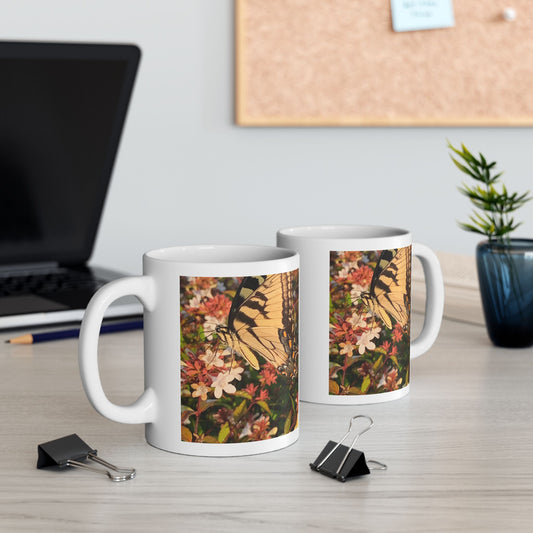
[459, 450]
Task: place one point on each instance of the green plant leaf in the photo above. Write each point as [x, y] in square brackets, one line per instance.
[239, 410]
[287, 425]
[493, 221]
[351, 361]
[462, 168]
[333, 387]
[467, 155]
[264, 406]
[186, 434]
[365, 385]
[223, 433]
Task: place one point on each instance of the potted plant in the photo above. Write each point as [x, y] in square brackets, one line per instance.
[504, 264]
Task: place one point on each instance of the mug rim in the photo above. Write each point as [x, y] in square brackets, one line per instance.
[325, 232]
[219, 254]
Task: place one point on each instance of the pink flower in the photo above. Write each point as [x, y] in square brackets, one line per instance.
[365, 342]
[200, 390]
[390, 380]
[263, 395]
[362, 276]
[397, 332]
[268, 375]
[212, 359]
[343, 330]
[222, 384]
[236, 372]
[217, 306]
[347, 348]
[251, 389]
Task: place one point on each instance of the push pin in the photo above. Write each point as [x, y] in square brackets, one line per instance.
[509, 14]
[72, 451]
[340, 462]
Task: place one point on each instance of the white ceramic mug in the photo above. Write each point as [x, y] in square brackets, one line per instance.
[355, 290]
[220, 349]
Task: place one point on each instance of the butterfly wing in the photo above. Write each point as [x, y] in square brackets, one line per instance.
[261, 320]
[390, 286]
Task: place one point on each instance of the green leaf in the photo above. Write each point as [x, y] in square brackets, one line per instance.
[201, 332]
[468, 227]
[464, 169]
[365, 385]
[464, 154]
[186, 434]
[467, 155]
[239, 410]
[333, 387]
[287, 425]
[264, 406]
[494, 205]
[223, 433]
[351, 361]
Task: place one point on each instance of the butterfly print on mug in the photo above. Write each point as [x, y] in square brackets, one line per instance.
[370, 308]
[261, 322]
[239, 357]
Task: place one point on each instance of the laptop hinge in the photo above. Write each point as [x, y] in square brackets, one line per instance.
[30, 268]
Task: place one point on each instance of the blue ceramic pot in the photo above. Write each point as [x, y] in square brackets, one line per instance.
[506, 282]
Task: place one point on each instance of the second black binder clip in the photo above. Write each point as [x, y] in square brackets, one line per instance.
[72, 451]
[340, 462]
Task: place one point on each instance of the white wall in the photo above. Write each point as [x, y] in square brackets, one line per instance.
[186, 174]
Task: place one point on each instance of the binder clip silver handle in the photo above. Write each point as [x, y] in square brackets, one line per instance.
[357, 435]
[342, 462]
[122, 474]
[73, 451]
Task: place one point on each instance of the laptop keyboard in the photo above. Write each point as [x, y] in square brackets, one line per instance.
[48, 283]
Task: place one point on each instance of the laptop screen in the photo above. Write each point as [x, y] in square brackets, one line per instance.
[62, 109]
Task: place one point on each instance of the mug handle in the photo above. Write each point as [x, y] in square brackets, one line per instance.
[434, 300]
[144, 409]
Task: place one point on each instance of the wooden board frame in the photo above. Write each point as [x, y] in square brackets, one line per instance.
[339, 63]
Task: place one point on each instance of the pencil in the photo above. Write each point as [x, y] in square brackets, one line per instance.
[73, 333]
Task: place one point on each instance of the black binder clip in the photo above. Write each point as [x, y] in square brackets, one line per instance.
[72, 451]
[340, 462]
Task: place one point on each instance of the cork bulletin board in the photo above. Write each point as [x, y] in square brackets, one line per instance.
[339, 63]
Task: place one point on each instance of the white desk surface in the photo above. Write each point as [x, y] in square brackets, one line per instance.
[459, 450]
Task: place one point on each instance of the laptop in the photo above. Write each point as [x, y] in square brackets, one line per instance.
[62, 110]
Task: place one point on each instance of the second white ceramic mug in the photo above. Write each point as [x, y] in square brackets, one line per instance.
[355, 310]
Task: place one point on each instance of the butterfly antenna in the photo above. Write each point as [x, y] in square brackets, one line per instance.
[372, 310]
[232, 359]
[215, 342]
[214, 354]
